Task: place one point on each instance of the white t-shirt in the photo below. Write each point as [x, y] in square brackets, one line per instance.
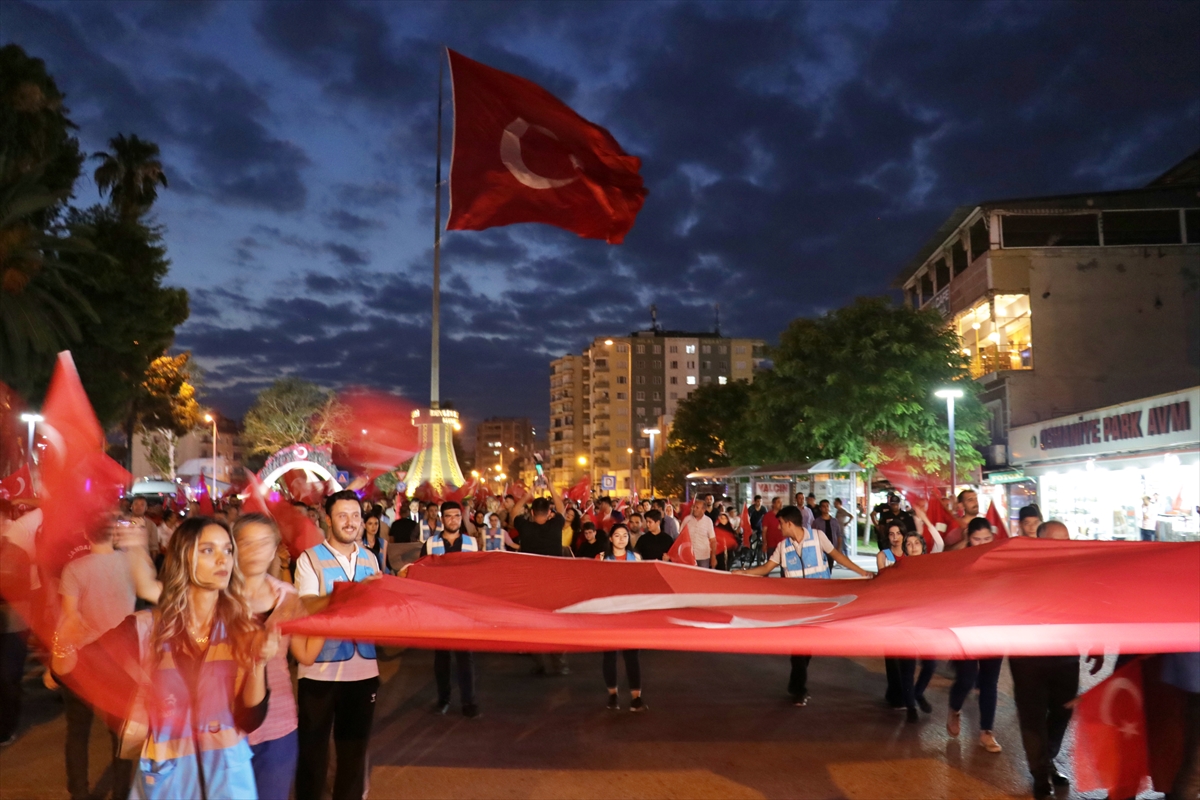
[701, 531]
[356, 668]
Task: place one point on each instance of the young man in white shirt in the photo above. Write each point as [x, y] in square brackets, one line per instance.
[337, 679]
[703, 536]
[803, 553]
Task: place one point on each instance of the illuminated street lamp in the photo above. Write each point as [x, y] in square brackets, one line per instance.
[213, 420]
[651, 432]
[949, 395]
[31, 420]
[583, 461]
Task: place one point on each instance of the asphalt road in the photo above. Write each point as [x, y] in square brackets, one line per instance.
[718, 726]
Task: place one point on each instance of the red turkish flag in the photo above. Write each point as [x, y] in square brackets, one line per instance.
[725, 541]
[993, 516]
[522, 155]
[1110, 740]
[18, 486]
[203, 500]
[580, 491]
[681, 551]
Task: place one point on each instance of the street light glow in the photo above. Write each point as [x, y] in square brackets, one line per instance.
[208, 418]
[650, 431]
[608, 342]
[27, 417]
[946, 394]
[583, 461]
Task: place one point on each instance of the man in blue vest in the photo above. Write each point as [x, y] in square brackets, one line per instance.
[338, 679]
[803, 553]
[452, 539]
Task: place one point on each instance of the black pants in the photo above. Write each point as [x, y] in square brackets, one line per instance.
[909, 683]
[798, 682]
[12, 671]
[79, 730]
[466, 675]
[633, 669]
[1042, 685]
[1187, 780]
[345, 708]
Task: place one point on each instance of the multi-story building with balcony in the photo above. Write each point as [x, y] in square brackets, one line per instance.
[637, 382]
[1070, 302]
[499, 443]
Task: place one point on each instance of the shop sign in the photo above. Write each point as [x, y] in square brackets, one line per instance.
[941, 302]
[770, 489]
[1006, 476]
[1163, 421]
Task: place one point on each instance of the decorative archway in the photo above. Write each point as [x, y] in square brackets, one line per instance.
[317, 459]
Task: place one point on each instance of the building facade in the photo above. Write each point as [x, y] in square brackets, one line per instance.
[636, 384]
[1068, 303]
[499, 443]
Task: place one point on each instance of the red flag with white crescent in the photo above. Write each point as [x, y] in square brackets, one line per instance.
[1110, 740]
[17, 486]
[993, 516]
[522, 155]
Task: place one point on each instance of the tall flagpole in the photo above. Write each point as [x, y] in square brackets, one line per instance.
[434, 378]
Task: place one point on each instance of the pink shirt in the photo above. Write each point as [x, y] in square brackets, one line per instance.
[281, 711]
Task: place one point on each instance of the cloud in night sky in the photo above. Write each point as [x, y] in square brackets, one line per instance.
[796, 156]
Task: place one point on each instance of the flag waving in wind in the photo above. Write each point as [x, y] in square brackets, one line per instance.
[522, 155]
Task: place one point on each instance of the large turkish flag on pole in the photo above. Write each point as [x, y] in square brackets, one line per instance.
[521, 155]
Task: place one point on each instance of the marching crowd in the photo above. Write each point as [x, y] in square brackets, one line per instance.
[212, 711]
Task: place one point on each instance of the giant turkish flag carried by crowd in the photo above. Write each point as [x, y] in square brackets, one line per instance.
[1018, 597]
[522, 155]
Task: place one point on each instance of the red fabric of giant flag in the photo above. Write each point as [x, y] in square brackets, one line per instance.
[1110, 740]
[375, 434]
[1017, 596]
[522, 155]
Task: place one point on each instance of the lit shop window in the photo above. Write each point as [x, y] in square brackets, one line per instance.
[997, 336]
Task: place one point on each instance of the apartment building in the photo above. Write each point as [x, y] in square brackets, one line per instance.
[500, 441]
[636, 385]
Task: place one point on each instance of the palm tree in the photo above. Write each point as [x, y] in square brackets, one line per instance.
[130, 174]
[40, 305]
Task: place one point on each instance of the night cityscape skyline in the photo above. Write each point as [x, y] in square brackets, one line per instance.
[796, 156]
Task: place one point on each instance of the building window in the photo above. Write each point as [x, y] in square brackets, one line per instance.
[622, 410]
[958, 257]
[1000, 342]
[1141, 227]
[641, 412]
[620, 443]
[1050, 230]
[601, 362]
[723, 380]
[620, 379]
[741, 365]
[723, 349]
[926, 286]
[674, 395]
[706, 379]
[658, 349]
[620, 395]
[674, 365]
[641, 349]
[942, 277]
[740, 350]
[621, 426]
[691, 365]
[705, 365]
[657, 396]
[691, 348]
[658, 363]
[658, 411]
[706, 348]
[558, 437]
[674, 380]
[622, 348]
[657, 380]
[673, 348]
[691, 380]
[641, 363]
[639, 395]
[640, 380]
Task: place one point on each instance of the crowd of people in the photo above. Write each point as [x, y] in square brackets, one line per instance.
[212, 709]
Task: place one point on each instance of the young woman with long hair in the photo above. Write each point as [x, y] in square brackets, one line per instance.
[203, 659]
[617, 549]
[374, 539]
[895, 548]
[275, 744]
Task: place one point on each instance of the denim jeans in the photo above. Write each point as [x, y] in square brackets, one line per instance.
[985, 673]
[274, 764]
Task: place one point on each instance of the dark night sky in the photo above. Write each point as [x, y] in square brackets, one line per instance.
[796, 155]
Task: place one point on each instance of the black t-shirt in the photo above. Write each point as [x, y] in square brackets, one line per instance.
[544, 539]
[590, 549]
[405, 530]
[756, 515]
[887, 517]
[653, 546]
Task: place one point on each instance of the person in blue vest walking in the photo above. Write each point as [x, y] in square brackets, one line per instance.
[803, 553]
[337, 679]
[453, 539]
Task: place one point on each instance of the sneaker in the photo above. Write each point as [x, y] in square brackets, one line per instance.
[923, 704]
[953, 722]
[800, 701]
[471, 711]
[1058, 779]
[441, 708]
[988, 742]
[614, 704]
[912, 716]
[638, 704]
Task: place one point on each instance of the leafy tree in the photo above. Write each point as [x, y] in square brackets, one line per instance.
[851, 383]
[705, 427]
[670, 473]
[130, 175]
[166, 408]
[35, 131]
[41, 306]
[290, 411]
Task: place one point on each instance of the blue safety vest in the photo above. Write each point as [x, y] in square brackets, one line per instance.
[436, 547]
[889, 556]
[190, 727]
[491, 541]
[330, 571]
[629, 556]
[808, 562]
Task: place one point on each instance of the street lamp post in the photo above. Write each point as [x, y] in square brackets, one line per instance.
[211, 418]
[31, 420]
[651, 432]
[949, 395]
